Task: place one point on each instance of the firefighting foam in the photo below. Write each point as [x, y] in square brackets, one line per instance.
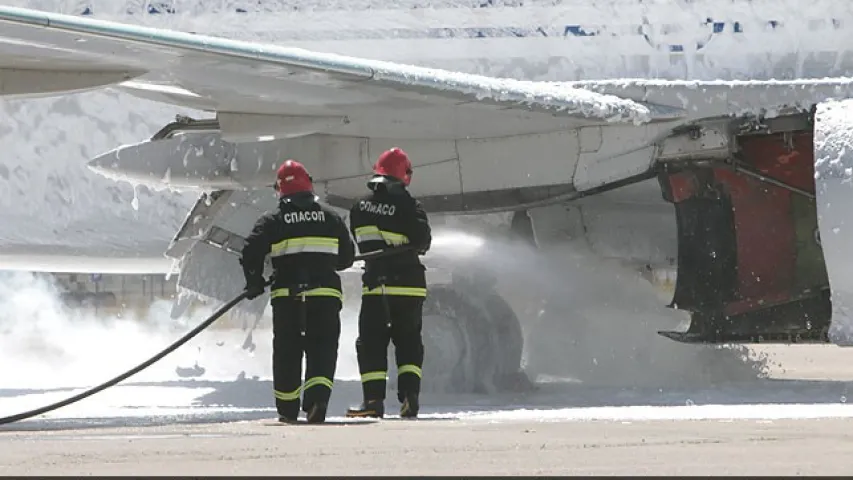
[580, 332]
[834, 179]
[44, 344]
[51, 345]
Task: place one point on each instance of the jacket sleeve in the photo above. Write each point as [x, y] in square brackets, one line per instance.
[346, 247]
[255, 250]
[421, 237]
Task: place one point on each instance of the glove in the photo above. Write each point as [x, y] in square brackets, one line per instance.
[254, 290]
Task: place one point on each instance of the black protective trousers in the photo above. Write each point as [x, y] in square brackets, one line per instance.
[322, 323]
[399, 320]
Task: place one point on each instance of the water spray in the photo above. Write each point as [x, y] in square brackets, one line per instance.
[171, 348]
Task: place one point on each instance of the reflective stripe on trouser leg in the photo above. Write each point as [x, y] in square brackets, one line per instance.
[374, 384]
[413, 369]
[373, 377]
[288, 396]
[406, 335]
[287, 358]
[318, 381]
[320, 342]
[408, 380]
[372, 347]
[310, 388]
[288, 401]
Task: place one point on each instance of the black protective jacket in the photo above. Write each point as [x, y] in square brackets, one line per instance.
[390, 217]
[308, 244]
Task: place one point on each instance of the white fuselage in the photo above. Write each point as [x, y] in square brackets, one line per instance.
[46, 142]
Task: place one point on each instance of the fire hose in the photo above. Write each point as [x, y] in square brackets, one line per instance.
[171, 348]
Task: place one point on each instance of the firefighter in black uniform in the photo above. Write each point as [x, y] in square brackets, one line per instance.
[394, 286]
[308, 244]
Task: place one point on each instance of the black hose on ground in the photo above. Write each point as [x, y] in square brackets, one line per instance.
[171, 348]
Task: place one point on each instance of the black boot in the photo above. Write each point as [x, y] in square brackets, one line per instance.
[289, 420]
[369, 408]
[317, 413]
[410, 406]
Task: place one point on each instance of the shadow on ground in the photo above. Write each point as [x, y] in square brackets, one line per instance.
[249, 399]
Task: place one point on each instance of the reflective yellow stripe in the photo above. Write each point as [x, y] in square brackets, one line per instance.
[367, 233]
[316, 292]
[392, 238]
[314, 381]
[409, 369]
[288, 396]
[305, 245]
[398, 291]
[373, 376]
[372, 232]
[311, 382]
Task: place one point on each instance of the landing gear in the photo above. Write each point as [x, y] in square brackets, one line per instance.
[472, 341]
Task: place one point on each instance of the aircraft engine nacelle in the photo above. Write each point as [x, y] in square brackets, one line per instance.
[761, 243]
[749, 238]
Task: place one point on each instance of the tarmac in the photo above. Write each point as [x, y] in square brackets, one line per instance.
[440, 447]
[797, 423]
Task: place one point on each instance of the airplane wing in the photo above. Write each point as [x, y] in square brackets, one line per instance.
[45, 53]
[260, 90]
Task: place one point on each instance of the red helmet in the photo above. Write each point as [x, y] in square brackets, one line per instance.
[292, 178]
[394, 163]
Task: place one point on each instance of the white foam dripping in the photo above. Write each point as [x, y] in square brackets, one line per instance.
[135, 202]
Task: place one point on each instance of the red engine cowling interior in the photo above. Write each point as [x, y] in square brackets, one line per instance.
[750, 266]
